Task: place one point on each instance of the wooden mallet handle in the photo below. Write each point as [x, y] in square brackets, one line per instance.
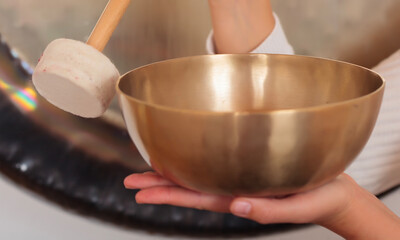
[107, 23]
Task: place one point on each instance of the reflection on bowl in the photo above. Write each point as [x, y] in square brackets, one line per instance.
[250, 124]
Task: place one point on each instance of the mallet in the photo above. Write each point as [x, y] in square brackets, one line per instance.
[77, 77]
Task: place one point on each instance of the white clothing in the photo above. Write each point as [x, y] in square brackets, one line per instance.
[275, 43]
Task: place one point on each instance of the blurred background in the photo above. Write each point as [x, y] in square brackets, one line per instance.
[358, 31]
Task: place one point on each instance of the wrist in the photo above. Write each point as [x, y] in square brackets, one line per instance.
[241, 25]
[363, 217]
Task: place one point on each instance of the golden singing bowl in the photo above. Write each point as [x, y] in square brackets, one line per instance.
[250, 124]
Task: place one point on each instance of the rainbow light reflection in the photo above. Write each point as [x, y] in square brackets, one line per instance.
[24, 98]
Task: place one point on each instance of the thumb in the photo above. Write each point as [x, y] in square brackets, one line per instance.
[316, 205]
[271, 210]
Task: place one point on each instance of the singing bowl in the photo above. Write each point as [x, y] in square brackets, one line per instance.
[250, 124]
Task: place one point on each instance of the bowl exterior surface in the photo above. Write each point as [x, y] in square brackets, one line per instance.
[255, 152]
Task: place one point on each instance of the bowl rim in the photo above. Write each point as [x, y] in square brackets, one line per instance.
[244, 112]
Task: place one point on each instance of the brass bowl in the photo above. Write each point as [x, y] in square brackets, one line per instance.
[250, 124]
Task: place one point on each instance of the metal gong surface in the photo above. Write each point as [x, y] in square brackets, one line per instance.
[84, 169]
[80, 162]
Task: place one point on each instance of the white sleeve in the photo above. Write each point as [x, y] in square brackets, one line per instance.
[276, 42]
[377, 168]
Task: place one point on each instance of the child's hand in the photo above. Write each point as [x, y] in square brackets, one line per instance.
[318, 205]
[341, 205]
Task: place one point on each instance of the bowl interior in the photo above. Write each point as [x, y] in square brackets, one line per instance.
[248, 82]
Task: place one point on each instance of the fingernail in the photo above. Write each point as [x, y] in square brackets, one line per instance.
[241, 208]
[127, 184]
